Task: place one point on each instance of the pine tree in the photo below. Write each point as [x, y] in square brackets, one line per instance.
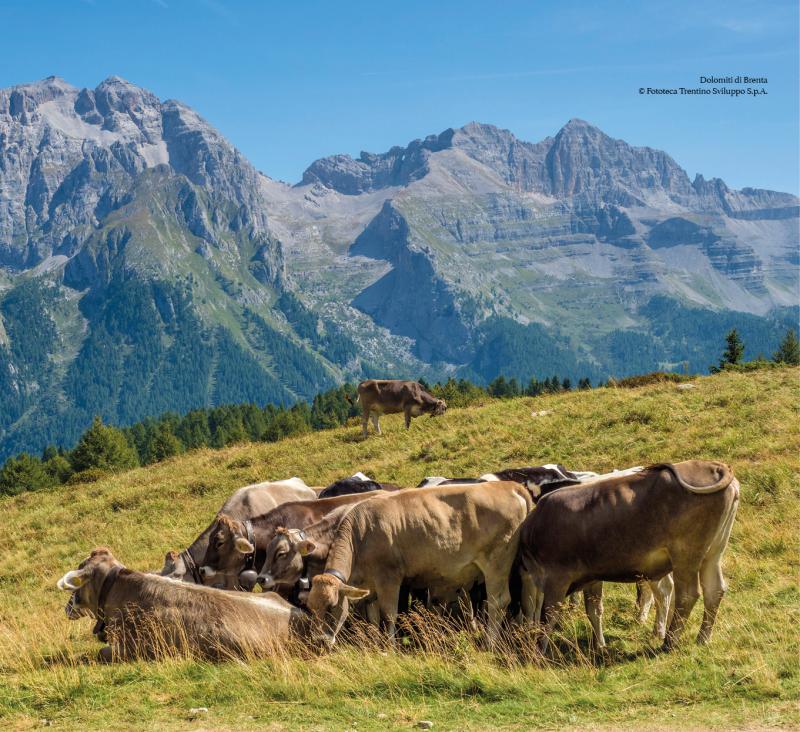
[57, 468]
[162, 444]
[22, 473]
[103, 447]
[789, 351]
[734, 350]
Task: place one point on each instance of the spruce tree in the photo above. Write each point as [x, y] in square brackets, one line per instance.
[162, 444]
[22, 473]
[789, 350]
[733, 351]
[103, 447]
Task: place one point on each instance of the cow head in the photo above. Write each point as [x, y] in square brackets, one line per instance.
[85, 582]
[283, 565]
[329, 603]
[175, 568]
[439, 408]
[228, 548]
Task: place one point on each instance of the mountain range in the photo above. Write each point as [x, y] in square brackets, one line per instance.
[146, 266]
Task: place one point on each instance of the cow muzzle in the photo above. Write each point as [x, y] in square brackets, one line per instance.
[325, 641]
[71, 610]
[208, 572]
[266, 581]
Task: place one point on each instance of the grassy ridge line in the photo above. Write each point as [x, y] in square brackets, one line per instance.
[747, 677]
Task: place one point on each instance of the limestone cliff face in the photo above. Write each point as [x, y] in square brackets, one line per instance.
[69, 158]
[557, 232]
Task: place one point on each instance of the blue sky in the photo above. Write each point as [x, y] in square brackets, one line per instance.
[288, 82]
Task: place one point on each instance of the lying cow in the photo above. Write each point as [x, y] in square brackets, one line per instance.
[246, 502]
[358, 483]
[146, 615]
[443, 538]
[237, 547]
[392, 396]
[664, 518]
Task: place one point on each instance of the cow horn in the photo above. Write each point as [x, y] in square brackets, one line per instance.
[72, 580]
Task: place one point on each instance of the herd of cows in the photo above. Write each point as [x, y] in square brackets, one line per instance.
[506, 547]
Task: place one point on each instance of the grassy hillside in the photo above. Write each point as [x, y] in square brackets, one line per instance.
[748, 677]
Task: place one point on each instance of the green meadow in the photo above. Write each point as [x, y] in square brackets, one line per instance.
[747, 678]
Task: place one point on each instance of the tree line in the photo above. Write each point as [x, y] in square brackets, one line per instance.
[104, 449]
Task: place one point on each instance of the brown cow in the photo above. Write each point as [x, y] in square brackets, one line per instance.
[235, 544]
[392, 396]
[444, 539]
[246, 502]
[145, 615]
[665, 518]
[295, 554]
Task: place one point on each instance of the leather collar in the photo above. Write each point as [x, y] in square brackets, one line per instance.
[191, 566]
[250, 559]
[336, 573]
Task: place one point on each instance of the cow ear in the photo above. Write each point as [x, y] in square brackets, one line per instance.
[353, 593]
[243, 546]
[305, 547]
[73, 580]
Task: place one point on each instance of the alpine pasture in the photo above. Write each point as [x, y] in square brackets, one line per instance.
[748, 677]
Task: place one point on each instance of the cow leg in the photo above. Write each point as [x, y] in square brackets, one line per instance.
[365, 422]
[554, 594]
[687, 590]
[498, 597]
[593, 602]
[407, 413]
[714, 587]
[711, 579]
[662, 592]
[376, 423]
[531, 607]
[388, 596]
[374, 613]
[644, 600]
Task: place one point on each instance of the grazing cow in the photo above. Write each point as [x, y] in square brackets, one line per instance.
[665, 518]
[237, 547]
[392, 396]
[246, 502]
[145, 615]
[443, 538]
[358, 483]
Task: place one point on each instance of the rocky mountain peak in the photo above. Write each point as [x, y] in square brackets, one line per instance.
[69, 156]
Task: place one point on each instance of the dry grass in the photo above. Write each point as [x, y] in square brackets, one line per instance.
[747, 678]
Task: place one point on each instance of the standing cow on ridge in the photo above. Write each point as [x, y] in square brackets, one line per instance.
[392, 396]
